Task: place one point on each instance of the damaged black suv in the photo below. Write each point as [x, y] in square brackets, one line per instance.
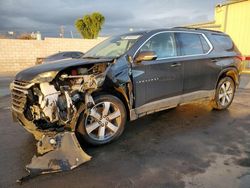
[124, 78]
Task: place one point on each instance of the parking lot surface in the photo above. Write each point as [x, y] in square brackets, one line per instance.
[189, 146]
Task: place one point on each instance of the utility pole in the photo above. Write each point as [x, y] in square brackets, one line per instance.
[71, 33]
[61, 31]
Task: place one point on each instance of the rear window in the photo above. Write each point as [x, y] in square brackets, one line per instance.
[192, 44]
[76, 54]
[67, 54]
[223, 41]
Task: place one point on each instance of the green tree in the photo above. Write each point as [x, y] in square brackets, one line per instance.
[90, 25]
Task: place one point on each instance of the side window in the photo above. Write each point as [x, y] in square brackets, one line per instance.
[190, 43]
[162, 44]
[223, 41]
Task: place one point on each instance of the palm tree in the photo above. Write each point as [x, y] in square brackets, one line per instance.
[90, 25]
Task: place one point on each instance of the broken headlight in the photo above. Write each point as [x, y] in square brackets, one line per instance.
[45, 77]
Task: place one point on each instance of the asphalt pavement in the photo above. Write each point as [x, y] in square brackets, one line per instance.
[189, 146]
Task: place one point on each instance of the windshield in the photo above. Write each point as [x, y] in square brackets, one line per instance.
[112, 47]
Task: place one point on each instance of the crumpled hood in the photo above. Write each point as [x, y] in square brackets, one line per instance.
[32, 72]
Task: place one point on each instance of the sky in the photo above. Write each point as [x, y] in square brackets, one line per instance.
[47, 16]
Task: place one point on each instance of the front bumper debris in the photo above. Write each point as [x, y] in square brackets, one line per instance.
[55, 153]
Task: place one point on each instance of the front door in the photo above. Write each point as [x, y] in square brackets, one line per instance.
[162, 78]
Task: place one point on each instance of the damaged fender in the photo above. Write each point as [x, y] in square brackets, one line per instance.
[50, 111]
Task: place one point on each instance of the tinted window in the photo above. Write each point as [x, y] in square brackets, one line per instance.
[224, 41]
[76, 54]
[80, 54]
[189, 43]
[162, 44]
[55, 56]
[67, 54]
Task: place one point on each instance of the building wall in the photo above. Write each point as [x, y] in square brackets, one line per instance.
[16, 55]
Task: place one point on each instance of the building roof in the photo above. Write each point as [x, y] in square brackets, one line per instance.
[229, 2]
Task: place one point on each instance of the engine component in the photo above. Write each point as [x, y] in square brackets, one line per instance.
[48, 101]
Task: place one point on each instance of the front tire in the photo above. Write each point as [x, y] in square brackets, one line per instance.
[105, 122]
[224, 93]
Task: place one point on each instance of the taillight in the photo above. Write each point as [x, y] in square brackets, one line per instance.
[242, 58]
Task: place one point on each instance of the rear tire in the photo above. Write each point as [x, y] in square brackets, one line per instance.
[106, 121]
[224, 93]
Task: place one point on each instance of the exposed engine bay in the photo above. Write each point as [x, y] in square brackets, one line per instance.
[52, 105]
[49, 109]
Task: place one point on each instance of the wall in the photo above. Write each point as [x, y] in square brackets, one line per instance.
[236, 23]
[16, 55]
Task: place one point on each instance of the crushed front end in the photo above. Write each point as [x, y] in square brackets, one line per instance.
[49, 106]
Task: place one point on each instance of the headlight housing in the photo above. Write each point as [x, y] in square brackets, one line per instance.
[45, 77]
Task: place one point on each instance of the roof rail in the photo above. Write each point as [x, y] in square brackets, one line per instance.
[197, 28]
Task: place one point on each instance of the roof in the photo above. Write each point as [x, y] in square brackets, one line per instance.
[193, 29]
[230, 2]
[197, 29]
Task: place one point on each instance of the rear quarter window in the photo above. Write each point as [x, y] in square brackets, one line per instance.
[223, 41]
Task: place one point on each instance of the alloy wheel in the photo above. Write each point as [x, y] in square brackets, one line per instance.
[226, 93]
[103, 121]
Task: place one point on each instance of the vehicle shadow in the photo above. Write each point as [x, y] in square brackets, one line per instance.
[159, 126]
[245, 81]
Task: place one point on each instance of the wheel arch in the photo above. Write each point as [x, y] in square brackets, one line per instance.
[117, 93]
[231, 72]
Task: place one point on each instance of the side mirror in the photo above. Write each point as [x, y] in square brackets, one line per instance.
[145, 56]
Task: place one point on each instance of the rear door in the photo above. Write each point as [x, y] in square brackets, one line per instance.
[198, 66]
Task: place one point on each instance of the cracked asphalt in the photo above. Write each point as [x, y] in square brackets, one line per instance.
[189, 146]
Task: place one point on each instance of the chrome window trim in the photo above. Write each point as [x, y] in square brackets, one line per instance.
[175, 57]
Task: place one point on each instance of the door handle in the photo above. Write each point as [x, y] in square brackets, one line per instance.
[176, 65]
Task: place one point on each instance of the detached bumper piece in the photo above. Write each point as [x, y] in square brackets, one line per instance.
[51, 114]
[55, 153]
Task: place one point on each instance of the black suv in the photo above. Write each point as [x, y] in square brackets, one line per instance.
[124, 78]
